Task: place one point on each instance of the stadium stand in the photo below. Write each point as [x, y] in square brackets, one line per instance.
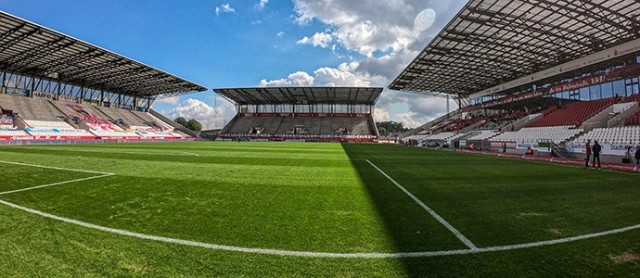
[67, 88]
[483, 135]
[37, 111]
[94, 120]
[554, 134]
[152, 128]
[575, 113]
[42, 119]
[13, 134]
[565, 90]
[634, 119]
[123, 117]
[444, 136]
[628, 135]
[152, 121]
[287, 124]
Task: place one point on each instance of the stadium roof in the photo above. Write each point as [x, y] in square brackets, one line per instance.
[491, 42]
[30, 49]
[302, 95]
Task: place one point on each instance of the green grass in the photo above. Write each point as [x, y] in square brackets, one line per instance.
[308, 197]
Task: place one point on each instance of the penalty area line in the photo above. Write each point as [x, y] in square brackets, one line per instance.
[54, 168]
[56, 183]
[102, 175]
[434, 214]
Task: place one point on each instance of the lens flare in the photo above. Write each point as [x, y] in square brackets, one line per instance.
[425, 19]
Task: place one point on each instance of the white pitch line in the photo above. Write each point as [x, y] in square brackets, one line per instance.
[435, 215]
[317, 254]
[188, 153]
[54, 184]
[54, 168]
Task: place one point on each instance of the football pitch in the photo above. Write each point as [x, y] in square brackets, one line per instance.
[262, 209]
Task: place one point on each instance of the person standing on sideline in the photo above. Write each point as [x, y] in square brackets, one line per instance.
[596, 153]
[637, 157]
[587, 148]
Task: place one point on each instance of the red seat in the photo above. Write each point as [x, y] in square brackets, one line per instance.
[574, 113]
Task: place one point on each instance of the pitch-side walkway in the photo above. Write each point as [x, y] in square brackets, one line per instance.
[556, 160]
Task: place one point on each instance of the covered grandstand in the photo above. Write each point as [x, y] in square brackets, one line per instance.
[542, 74]
[326, 114]
[56, 87]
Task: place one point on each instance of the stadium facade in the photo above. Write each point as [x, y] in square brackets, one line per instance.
[56, 88]
[547, 75]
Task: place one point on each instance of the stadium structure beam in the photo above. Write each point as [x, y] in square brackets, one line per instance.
[510, 39]
[301, 95]
[92, 68]
[28, 49]
[146, 89]
[565, 9]
[268, 97]
[33, 52]
[547, 35]
[29, 60]
[11, 31]
[97, 73]
[287, 96]
[134, 74]
[588, 9]
[4, 45]
[249, 96]
[513, 45]
[71, 59]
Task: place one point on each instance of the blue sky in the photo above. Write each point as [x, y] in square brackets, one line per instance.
[248, 43]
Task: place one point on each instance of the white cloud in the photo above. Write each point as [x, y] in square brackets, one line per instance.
[318, 39]
[299, 78]
[280, 34]
[262, 4]
[388, 44]
[167, 100]
[210, 117]
[416, 109]
[225, 8]
[363, 28]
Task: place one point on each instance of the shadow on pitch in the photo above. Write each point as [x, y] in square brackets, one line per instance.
[408, 226]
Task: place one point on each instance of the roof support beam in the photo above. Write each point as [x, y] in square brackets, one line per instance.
[33, 52]
[30, 62]
[4, 45]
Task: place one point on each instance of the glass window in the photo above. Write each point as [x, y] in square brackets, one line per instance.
[618, 88]
[584, 94]
[607, 90]
[595, 92]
